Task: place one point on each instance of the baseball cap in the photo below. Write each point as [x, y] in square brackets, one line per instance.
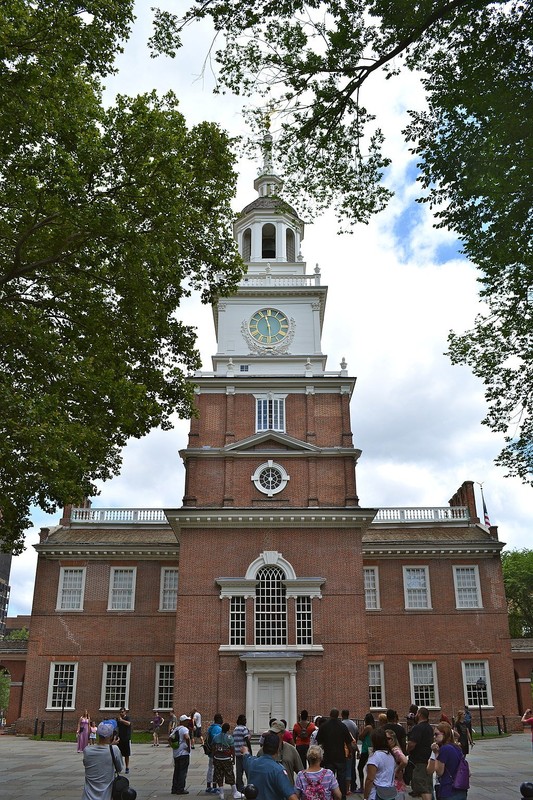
[183, 717]
[105, 730]
[277, 727]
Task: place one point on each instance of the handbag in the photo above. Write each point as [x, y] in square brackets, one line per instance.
[120, 789]
[408, 772]
[386, 792]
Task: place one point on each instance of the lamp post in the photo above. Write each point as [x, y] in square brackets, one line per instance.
[480, 686]
[62, 686]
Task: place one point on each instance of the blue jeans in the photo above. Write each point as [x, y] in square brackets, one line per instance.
[181, 767]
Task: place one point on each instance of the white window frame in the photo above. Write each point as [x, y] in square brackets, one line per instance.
[372, 589]
[380, 666]
[124, 699]
[158, 697]
[113, 572]
[61, 589]
[304, 620]
[435, 684]
[482, 671]
[425, 570]
[275, 410]
[165, 592]
[70, 672]
[457, 588]
[237, 621]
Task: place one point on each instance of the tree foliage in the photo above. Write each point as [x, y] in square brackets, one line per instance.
[518, 579]
[109, 217]
[20, 634]
[314, 62]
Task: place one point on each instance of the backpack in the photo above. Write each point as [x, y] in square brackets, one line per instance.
[314, 789]
[304, 732]
[461, 781]
[174, 739]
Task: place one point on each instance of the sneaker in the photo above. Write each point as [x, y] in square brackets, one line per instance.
[127, 770]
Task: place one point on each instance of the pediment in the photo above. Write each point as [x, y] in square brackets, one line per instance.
[270, 440]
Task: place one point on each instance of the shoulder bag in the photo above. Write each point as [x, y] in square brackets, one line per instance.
[120, 789]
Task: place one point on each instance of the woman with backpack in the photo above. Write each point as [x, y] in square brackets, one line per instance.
[450, 765]
[316, 782]
[301, 734]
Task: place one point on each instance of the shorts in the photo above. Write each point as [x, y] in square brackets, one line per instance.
[223, 772]
[198, 732]
[124, 747]
[421, 782]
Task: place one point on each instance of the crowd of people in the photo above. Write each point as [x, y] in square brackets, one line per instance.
[330, 757]
[319, 758]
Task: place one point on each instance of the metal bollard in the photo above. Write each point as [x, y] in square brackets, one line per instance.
[35, 726]
[42, 729]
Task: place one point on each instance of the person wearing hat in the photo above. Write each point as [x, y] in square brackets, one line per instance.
[98, 763]
[181, 749]
[286, 754]
[267, 773]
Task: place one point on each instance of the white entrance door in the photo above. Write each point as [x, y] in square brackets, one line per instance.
[270, 701]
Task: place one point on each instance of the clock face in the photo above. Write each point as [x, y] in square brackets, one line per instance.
[269, 326]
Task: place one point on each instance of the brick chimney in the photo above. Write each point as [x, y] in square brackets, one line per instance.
[464, 496]
[67, 511]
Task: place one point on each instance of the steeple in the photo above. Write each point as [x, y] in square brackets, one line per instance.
[268, 230]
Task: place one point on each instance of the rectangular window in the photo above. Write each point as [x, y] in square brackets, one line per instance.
[270, 414]
[115, 686]
[467, 587]
[244, 367]
[164, 698]
[376, 693]
[476, 680]
[304, 621]
[169, 589]
[237, 622]
[416, 587]
[424, 684]
[371, 581]
[62, 685]
[71, 589]
[122, 589]
[270, 607]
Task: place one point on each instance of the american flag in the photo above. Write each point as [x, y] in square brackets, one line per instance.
[486, 517]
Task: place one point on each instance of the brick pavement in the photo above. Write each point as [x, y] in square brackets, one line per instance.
[40, 770]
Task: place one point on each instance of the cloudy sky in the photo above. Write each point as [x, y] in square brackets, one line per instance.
[396, 287]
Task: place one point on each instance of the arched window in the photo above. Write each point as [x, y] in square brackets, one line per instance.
[270, 607]
[290, 245]
[268, 241]
[247, 245]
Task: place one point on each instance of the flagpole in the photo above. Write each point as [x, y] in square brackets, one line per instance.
[486, 518]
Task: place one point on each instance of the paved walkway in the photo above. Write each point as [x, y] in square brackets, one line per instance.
[40, 770]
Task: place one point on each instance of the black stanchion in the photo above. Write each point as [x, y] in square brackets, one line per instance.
[499, 726]
[35, 726]
[42, 730]
[504, 724]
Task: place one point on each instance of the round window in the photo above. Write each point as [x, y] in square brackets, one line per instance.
[270, 478]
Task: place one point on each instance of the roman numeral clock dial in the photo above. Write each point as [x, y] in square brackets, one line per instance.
[268, 326]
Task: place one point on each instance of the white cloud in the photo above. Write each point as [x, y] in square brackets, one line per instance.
[395, 290]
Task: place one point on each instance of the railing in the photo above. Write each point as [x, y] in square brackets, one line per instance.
[281, 280]
[114, 516]
[423, 514]
[156, 516]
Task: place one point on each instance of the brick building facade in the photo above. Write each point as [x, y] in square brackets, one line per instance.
[271, 588]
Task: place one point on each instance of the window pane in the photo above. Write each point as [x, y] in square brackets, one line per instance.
[270, 607]
[116, 682]
[466, 586]
[169, 589]
[62, 682]
[371, 587]
[375, 687]
[237, 623]
[423, 684]
[122, 590]
[165, 686]
[474, 670]
[304, 622]
[270, 414]
[416, 590]
[71, 589]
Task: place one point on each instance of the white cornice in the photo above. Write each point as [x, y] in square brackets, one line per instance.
[190, 517]
[429, 550]
[320, 452]
[101, 551]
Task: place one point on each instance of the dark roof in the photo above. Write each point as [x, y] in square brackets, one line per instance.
[275, 203]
